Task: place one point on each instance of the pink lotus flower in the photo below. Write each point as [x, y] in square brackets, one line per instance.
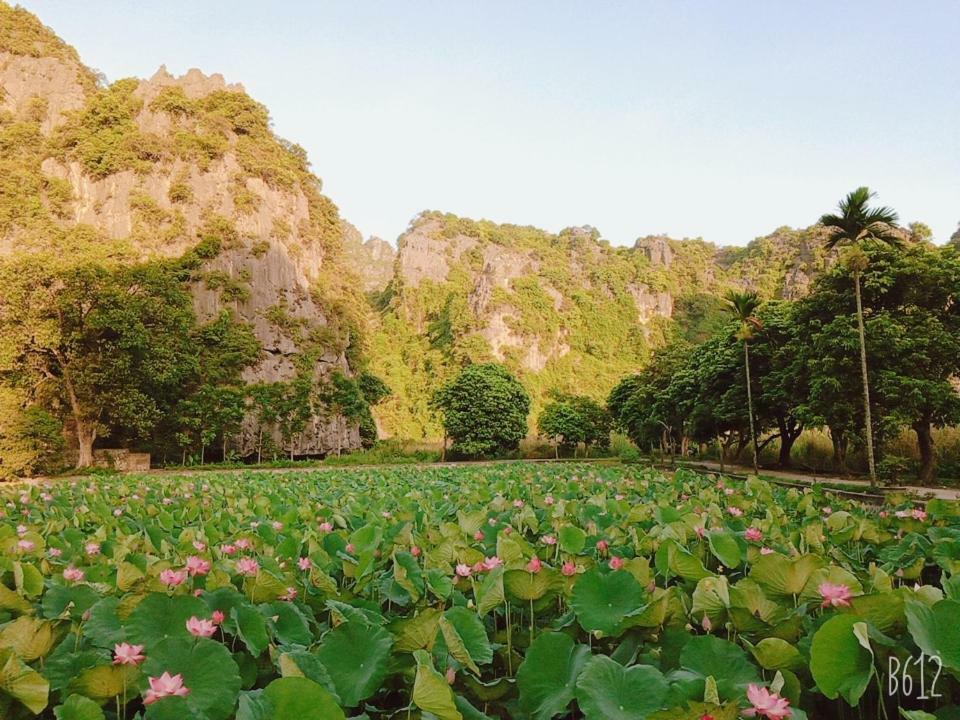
[199, 546]
[753, 534]
[304, 563]
[707, 623]
[243, 544]
[492, 563]
[548, 500]
[351, 548]
[478, 536]
[507, 530]
[198, 592]
[463, 570]
[415, 551]
[701, 532]
[326, 527]
[766, 551]
[248, 566]
[200, 627]
[126, 654]
[569, 569]
[172, 578]
[919, 514]
[451, 676]
[518, 503]
[197, 566]
[883, 514]
[165, 686]
[218, 617]
[92, 548]
[73, 574]
[735, 511]
[828, 510]
[54, 552]
[277, 525]
[766, 704]
[835, 595]
[117, 512]
[290, 595]
[228, 549]
[534, 565]
[616, 563]
[602, 546]
[25, 545]
[21, 529]
[728, 491]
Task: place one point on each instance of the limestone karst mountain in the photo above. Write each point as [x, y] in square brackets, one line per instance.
[567, 312]
[156, 166]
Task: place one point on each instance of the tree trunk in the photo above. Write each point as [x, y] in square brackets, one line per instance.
[86, 435]
[839, 440]
[786, 446]
[753, 433]
[722, 452]
[866, 384]
[928, 459]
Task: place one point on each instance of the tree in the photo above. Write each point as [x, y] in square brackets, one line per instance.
[31, 439]
[111, 343]
[913, 345]
[743, 306]
[573, 419]
[484, 410]
[856, 226]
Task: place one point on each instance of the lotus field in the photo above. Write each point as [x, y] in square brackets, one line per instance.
[500, 591]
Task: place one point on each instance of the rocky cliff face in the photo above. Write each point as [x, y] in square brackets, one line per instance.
[567, 312]
[158, 166]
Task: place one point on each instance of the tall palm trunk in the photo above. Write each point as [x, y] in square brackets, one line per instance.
[753, 434]
[866, 384]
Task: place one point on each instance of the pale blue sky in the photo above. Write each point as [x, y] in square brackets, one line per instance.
[714, 119]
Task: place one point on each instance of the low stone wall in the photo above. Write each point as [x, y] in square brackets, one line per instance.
[121, 459]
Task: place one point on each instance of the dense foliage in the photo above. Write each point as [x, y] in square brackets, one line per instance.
[805, 365]
[484, 410]
[511, 591]
[574, 420]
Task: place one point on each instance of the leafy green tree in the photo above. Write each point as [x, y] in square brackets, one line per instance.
[31, 439]
[858, 225]
[743, 306]
[574, 419]
[783, 377]
[111, 343]
[913, 344]
[484, 410]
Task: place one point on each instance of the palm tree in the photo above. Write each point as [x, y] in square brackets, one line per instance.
[743, 306]
[855, 226]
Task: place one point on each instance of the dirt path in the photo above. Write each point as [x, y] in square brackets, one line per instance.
[811, 479]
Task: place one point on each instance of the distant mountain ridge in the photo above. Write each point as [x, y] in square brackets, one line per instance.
[568, 312]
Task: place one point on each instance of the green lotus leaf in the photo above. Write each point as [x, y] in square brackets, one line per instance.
[936, 630]
[466, 638]
[524, 585]
[356, 656]
[301, 698]
[207, 669]
[841, 660]
[603, 600]
[105, 682]
[707, 656]
[572, 539]
[22, 682]
[548, 675]
[726, 548]
[431, 691]
[780, 576]
[160, 616]
[606, 690]
[78, 707]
